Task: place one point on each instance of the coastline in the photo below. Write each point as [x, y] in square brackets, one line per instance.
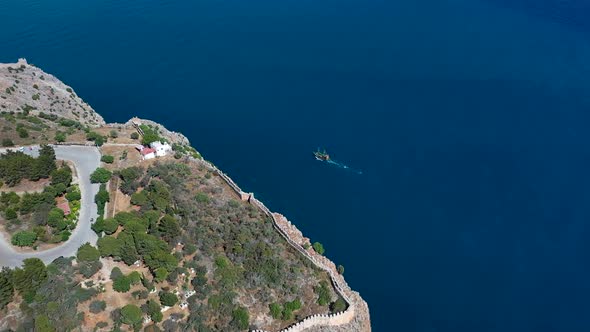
[356, 317]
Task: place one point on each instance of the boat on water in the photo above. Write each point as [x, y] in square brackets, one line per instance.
[321, 155]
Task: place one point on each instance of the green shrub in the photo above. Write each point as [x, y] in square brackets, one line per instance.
[293, 305]
[100, 175]
[134, 135]
[240, 318]
[24, 239]
[275, 310]
[22, 132]
[10, 214]
[338, 306]
[323, 293]
[202, 198]
[107, 159]
[6, 142]
[97, 306]
[60, 136]
[96, 137]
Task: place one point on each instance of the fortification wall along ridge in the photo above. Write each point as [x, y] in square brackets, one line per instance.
[294, 237]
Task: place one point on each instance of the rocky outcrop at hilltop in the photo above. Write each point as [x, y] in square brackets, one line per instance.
[26, 87]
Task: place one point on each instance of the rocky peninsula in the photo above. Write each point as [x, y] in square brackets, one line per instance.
[176, 244]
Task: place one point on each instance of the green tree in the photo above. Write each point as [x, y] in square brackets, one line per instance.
[168, 299]
[74, 195]
[134, 135]
[169, 228]
[44, 164]
[160, 274]
[319, 248]
[338, 306]
[340, 269]
[150, 135]
[129, 253]
[55, 217]
[130, 176]
[62, 175]
[24, 239]
[113, 133]
[101, 198]
[42, 324]
[110, 225]
[100, 175]
[134, 278]
[241, 318]
[122, 284]
[6, 287]
[116, 273]
[107, 159]
[139, 198]
[154, 310]
[130, 315]
[87, 253]
[98, 225]
[30, 276]
[109, 246]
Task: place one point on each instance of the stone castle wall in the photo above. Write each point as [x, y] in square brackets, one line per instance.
[283, 226]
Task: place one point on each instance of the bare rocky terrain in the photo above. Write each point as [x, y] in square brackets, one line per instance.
[26, 87]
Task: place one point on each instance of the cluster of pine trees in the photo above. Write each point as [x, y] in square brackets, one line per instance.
[15, 166]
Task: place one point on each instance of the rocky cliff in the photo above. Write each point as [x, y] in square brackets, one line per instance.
[26, 87]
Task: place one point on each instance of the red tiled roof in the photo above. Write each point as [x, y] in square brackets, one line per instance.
[65, 207]
[146, 151]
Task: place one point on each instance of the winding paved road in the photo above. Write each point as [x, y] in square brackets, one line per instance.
[86, 159]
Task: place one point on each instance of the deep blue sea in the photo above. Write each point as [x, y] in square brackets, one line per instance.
[469, 120]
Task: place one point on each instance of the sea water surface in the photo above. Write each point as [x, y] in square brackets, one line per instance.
[469, 120]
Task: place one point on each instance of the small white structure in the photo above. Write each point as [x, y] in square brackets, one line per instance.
[146, 153]
[183, 305]
[162, 149]
[147, 320]
[165, 308]
[189, 294]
